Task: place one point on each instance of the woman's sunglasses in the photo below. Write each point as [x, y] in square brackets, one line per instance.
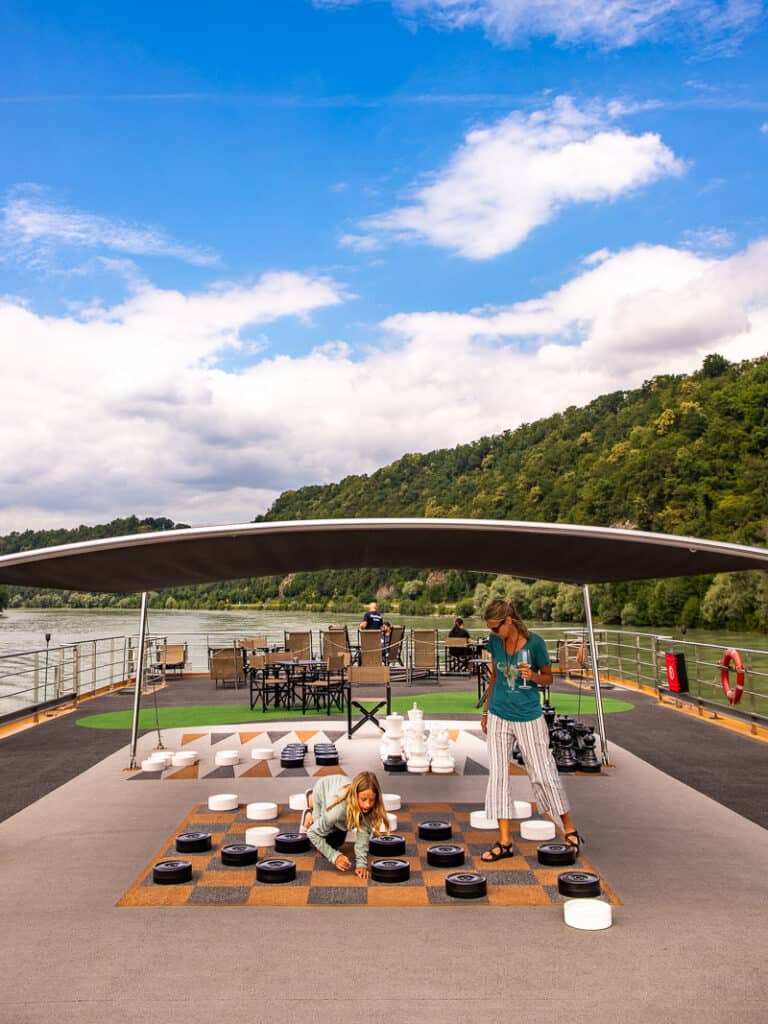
[495, 629]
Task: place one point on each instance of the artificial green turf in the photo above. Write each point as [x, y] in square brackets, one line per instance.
[229, 714]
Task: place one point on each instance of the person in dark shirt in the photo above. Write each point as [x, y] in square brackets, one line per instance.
[386, 640]
[373, 619]
[460, 655]
[457, 629]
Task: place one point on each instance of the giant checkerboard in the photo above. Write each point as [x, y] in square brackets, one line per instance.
[468, 748]
[516, 881]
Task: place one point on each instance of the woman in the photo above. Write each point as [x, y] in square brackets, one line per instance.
[519, 665]
[458, 630]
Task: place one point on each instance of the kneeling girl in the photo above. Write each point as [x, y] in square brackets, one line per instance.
[338, 803]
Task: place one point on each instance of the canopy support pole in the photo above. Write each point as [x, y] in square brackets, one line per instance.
[595, 674]
[139, 680]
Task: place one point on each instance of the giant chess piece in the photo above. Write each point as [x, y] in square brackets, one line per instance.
[562, 750]
[416, 747]
[392, 740]
[415, 742]
[442, 762]
[549, 715]
[587, 757]
[517, 754]
[580, 730]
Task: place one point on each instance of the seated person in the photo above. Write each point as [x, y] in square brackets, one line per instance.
[373, 619]
[457, 629]
[460, 655]
[386, 640]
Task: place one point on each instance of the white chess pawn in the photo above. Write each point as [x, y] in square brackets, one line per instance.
[442, 763]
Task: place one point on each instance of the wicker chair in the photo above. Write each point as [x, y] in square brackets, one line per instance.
[227, 667]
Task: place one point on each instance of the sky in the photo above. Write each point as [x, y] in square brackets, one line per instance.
[251, 246]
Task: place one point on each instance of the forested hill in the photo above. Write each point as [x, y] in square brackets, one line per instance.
[681, 454]
[30, 540]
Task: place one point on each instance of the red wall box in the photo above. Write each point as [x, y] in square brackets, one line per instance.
[677, 673]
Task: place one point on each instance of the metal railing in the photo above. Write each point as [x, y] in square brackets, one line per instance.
[44, 677]
[640, 658]
[30, 680]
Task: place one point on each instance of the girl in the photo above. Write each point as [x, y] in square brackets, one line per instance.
[519, 665]
[338, 803]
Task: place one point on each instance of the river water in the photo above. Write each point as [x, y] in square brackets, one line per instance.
[24, 629]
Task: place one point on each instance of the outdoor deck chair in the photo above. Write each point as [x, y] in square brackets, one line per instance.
[424, 655]
[573, 659]
[171, 658]
[227, 667]
[360, 675]
[329, 690]
[335, 641]
[269, 689]
[456, 654]
[298, 646]
[370, 647]
[394, 651]
[254, 643]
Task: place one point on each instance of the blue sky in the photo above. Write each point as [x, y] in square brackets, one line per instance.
[259, 245]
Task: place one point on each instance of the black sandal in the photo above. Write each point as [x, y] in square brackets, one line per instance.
[505, 850]
[578, 837]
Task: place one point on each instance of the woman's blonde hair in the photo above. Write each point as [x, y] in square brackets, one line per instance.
[500, 610]
[377, 815]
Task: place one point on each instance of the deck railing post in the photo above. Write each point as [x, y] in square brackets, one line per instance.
[139, 679]
[595, 674]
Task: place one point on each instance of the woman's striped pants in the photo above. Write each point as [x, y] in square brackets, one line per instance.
[533, 739]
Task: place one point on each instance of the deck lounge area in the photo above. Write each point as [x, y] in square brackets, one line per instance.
[687, 864]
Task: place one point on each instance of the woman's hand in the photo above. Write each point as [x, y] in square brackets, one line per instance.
[361, 872]
[484, 721]
[343, 863]
[526, 671]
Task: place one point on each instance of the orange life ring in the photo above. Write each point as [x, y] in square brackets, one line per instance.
[732, 655]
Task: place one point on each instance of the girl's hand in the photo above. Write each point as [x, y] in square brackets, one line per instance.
[484, 722]
[361, 872]
[343, 863]
[526, 671]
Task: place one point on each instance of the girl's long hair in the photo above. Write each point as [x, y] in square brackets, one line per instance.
[500, 609]
[377, 816]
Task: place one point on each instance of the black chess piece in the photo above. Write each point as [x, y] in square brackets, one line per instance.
[587, 757]
[579, 730]
[562, 750]
[517, 755]
[549, 715]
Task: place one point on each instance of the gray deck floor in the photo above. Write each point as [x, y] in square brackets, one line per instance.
[688, 944]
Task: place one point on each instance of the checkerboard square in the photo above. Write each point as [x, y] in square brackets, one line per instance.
[279, 896]
[234, 876]
[439, 897]
[331, 895]
[220, 895]
[397, 896]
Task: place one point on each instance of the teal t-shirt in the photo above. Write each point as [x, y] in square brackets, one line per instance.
[510, 699]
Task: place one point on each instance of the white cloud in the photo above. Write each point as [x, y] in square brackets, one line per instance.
[764, 127]
[509, 179]
[715, 25]
[706, 240]
[32, 227]
[132, 408]
[360, 243]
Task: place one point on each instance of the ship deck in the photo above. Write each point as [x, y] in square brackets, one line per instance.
[677, 827]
